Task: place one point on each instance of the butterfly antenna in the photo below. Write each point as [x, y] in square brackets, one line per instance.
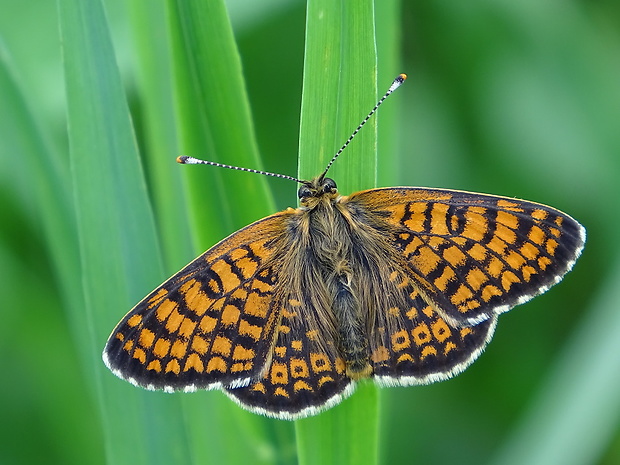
[185, 160]
[395, 85]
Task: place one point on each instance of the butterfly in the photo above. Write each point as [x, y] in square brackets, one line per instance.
[400, 285]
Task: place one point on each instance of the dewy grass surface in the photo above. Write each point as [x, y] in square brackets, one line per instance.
[513, 98]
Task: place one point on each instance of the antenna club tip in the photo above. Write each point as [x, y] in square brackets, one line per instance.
[182, 159]
[396, 83]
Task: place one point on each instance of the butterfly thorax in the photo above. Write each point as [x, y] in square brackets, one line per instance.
[324, 222]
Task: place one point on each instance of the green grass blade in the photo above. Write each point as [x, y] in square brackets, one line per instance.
[339, 88]
[120, 258]
[23, 138]
[214, 122]
[158, 129]
[37, 252]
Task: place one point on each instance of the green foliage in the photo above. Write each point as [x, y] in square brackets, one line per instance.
[517, 99]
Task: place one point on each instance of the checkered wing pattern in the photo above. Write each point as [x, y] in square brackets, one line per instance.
[212, 324]
[413, 344]
[472, 256]
[402, 285]
[307, 373]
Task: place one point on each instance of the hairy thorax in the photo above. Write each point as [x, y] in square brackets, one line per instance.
[325, 226]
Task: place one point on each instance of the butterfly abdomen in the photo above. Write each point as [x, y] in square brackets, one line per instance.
[333, 239]
[351, 324]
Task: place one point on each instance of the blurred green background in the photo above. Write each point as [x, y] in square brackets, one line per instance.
[514, 98]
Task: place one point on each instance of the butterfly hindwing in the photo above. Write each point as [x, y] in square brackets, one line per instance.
[306, 373]
[473, 255]
[210, 325]
[413, 344]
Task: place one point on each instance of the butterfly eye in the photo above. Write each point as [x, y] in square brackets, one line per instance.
[304, 192]
[329, 186]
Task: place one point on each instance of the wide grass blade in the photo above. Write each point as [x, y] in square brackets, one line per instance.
[213, 118]
[339, 88]
[120, 259]
[214, 122]
[157, 128]
[40, 275]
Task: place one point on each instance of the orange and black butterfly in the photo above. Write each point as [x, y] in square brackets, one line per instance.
[401, 285]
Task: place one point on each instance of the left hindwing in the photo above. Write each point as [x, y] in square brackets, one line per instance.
[306, 374]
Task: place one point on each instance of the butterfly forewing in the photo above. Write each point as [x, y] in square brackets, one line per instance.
[210, 325]
[472, 255]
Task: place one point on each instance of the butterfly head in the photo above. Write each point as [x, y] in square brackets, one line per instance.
[311, 193]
